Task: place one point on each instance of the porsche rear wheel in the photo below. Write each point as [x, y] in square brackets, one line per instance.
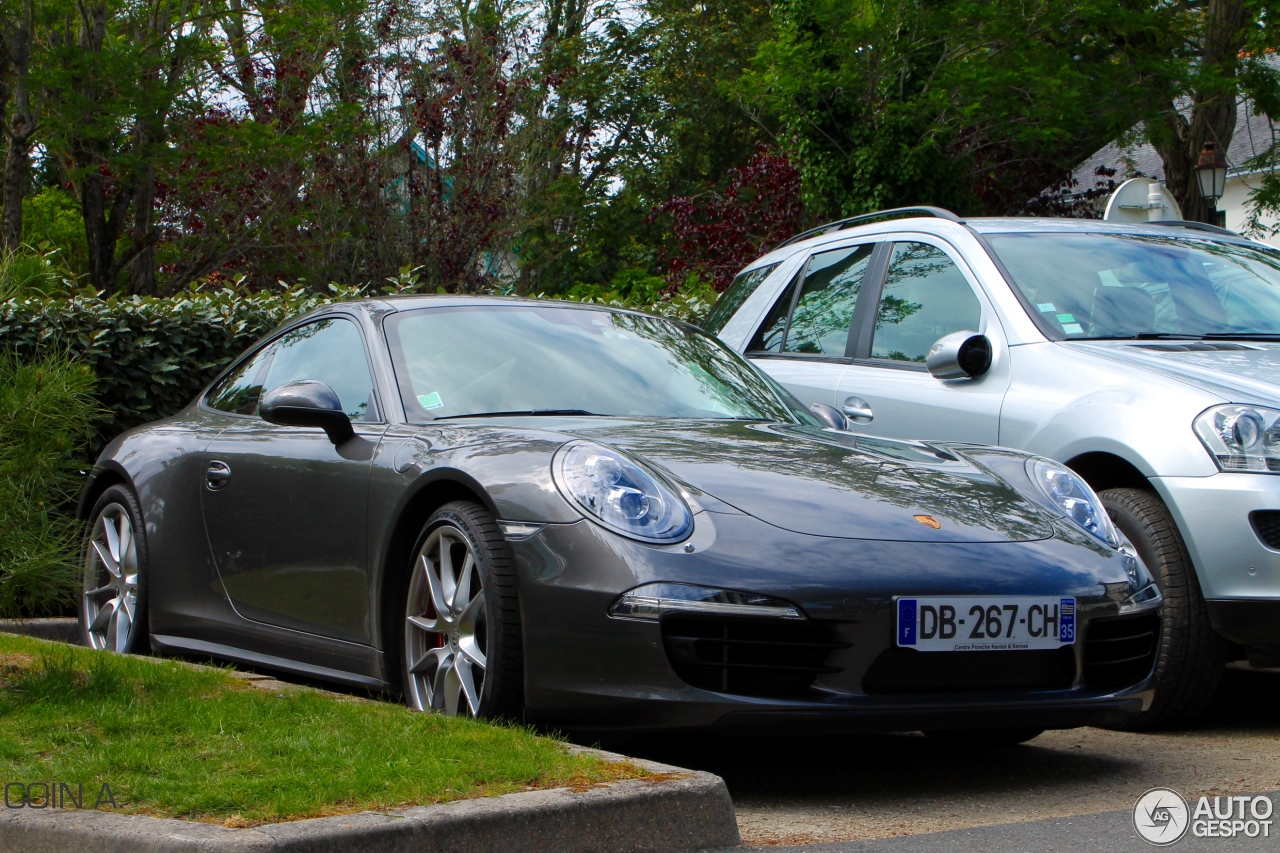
[113, 572]
[462, 653]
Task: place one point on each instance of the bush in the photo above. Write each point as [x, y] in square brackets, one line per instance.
[151, 355]
[46, 413]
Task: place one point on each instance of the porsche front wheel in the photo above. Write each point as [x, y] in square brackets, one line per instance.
[462, 651]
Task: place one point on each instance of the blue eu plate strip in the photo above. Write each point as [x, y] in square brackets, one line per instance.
[906, 621]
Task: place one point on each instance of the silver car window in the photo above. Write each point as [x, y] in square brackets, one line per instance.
[819, 324]
[925, 297]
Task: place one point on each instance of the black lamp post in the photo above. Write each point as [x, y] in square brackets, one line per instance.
[1211, 174]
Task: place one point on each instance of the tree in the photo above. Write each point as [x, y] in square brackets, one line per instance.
[1193, 61]
[111, 72]
[20, 127]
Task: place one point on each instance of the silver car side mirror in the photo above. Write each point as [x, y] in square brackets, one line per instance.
[829, 415]
[960, 355]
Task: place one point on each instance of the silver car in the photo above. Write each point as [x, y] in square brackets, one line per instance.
[1145, 357]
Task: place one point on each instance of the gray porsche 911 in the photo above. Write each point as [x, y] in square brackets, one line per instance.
[601, 520]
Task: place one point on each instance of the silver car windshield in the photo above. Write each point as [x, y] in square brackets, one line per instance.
[472, 361]
[1089, 286]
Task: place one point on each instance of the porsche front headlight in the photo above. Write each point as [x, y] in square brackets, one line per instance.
[618, 493]
[1072, 498]
[1241, 438]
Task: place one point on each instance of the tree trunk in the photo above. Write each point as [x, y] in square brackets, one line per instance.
[1212, 108]
[20, 130]
[142, 271]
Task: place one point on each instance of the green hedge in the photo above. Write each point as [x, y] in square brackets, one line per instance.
[151, 355]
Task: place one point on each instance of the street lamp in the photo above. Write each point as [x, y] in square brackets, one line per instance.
[1211, 174]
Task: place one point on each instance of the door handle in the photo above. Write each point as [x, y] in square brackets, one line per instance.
[858, 409]
[217, 475]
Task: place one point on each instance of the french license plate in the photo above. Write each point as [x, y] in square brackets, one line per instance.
[985, 623]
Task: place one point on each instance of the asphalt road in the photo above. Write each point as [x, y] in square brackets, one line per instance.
[810, 793]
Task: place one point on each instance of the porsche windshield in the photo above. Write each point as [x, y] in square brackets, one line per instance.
[1087, 286]
[469, 361]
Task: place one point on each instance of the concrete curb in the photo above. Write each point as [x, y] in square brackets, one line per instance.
[677, 811]
[685, 810]
[64, 629]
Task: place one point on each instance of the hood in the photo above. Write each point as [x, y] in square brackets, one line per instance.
[824, 483]
[1239, 372]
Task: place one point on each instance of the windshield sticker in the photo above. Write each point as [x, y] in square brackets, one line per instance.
[1047, 307]
[1073, 328]
[1066, 318]
[431, 401]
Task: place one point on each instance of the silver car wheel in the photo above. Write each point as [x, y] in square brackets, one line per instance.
[111, 580]
[446, 637]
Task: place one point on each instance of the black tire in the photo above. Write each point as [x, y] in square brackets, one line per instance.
[976, 738]
[502, 691]
[122, 497]
[1192, 656]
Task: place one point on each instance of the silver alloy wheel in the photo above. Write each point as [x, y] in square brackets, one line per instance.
[111, 580]
[446, 637]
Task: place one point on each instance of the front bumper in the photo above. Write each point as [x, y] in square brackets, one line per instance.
[586, 670]
[1239, 575]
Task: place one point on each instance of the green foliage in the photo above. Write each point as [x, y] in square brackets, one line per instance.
[31, 271]
[52, 218]
[46, 415]
[639, 291]
[178, 741]
[151, 355]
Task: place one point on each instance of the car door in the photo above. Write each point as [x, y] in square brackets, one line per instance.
[803, 342]
[284, 509]
[924, 295]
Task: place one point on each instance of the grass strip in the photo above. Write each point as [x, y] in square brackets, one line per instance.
[173, 740]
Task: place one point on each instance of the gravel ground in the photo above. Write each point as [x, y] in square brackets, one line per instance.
[799, 791]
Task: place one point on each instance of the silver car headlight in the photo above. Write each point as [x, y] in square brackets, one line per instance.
[1073, 499]
[1241, 438]
[618, 493]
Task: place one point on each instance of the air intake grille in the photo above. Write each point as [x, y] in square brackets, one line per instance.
[1120, 652]
[898, 671]
[1266, 523]
[748, 657]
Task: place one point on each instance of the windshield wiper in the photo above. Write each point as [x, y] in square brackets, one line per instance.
[523, 413]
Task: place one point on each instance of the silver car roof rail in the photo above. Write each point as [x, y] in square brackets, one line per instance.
[841, 224]
[1193, 226]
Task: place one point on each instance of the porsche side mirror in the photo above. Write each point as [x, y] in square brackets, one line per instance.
[960, 355]
[829, 415]
[307, 403]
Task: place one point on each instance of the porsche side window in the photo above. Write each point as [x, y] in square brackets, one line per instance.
[820, 323]
[731, 300]
[239, 390]
[331, 352]
[925, 297]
